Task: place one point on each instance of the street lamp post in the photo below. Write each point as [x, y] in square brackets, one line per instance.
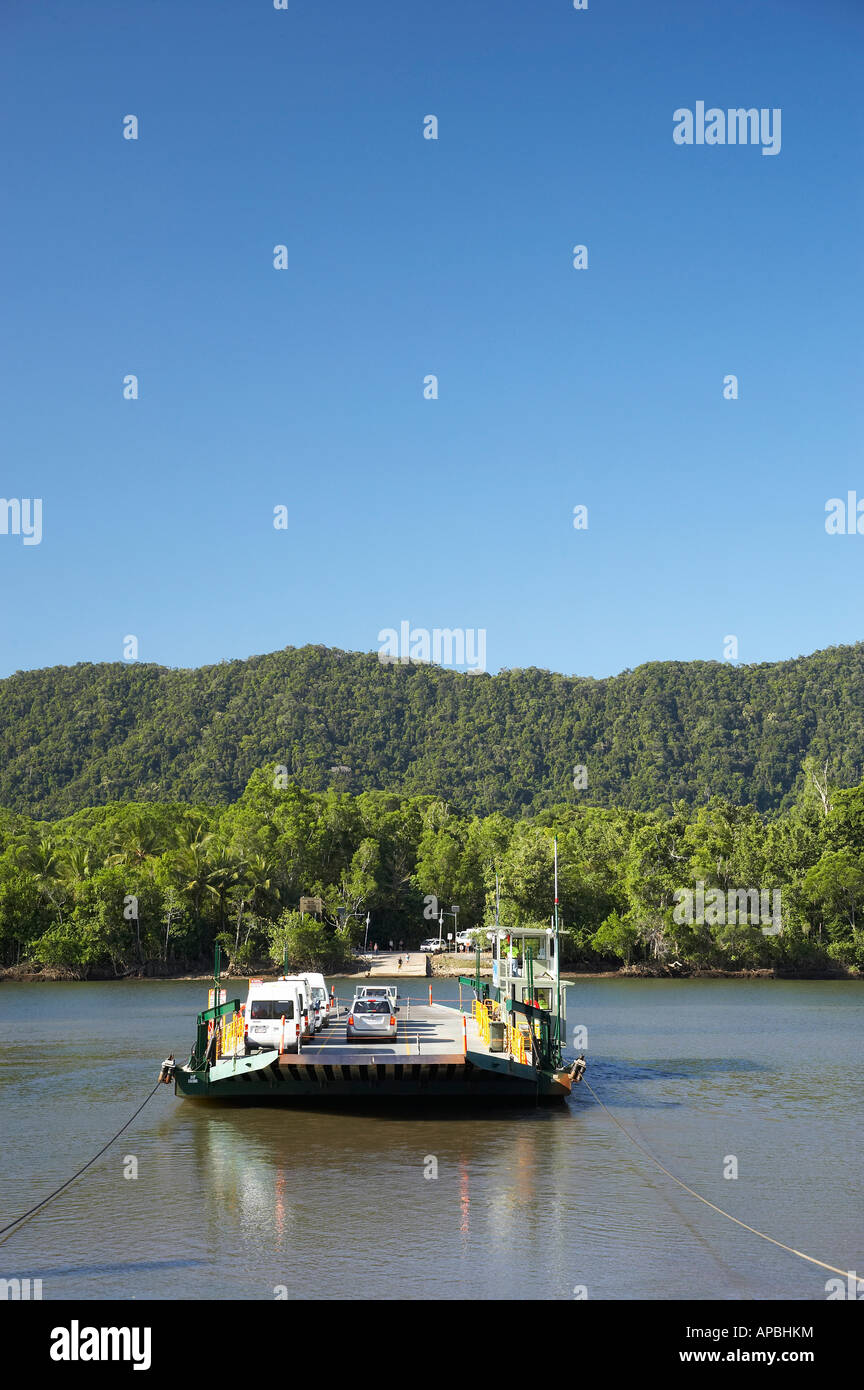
[454, 913]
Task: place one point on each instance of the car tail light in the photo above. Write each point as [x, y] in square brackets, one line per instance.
[351, 1019]
[297, 1026]
[392, 1019]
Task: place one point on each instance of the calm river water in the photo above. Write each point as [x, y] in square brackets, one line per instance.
[234, 1203]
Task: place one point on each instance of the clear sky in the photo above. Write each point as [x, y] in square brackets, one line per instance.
[303, 387]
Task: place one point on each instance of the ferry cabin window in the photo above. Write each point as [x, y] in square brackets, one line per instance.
[271, 1008]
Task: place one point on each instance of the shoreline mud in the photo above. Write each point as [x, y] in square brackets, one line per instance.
[440, 968]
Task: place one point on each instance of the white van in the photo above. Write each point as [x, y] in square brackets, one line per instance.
[277, 1014]
[308, 1011]
[320, 997]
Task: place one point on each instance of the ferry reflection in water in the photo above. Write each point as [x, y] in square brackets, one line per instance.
[284, 1179]
[249, 1186]
[464, 1197]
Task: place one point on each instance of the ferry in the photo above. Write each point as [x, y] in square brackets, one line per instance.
[504, 1042]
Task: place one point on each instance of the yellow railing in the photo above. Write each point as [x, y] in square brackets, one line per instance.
[229, 1038]
[516, 1042]
[485, 1010]
[481, 1014]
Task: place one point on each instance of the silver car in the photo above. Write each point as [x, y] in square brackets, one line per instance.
[371, 1018]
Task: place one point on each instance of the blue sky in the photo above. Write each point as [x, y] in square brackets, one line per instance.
[304, 387]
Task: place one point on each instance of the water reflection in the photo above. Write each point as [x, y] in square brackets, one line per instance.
[277, 1175]
[231, 1202]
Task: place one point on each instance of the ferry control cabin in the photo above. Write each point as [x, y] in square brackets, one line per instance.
[525, 969]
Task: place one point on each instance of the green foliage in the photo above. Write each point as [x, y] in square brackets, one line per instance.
[616, 936]
[304, 943]
[668, 732]
[151, 886]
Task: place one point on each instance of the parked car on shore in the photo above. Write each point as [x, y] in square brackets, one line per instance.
[433, 945]
[466, 938]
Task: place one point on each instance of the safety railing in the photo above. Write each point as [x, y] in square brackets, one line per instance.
[484, 1012]
[481, 1018]
[515, 1043]
[229, 1036]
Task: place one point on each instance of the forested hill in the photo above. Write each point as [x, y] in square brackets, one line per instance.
[75, 736]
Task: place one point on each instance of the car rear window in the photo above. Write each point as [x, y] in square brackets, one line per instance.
[271, 1008]
[371, 1006]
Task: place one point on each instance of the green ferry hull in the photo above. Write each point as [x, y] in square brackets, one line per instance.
[269, 1077]
[439, 1053]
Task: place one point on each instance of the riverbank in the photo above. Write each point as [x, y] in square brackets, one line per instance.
[27, 973]
[451, 966]
[442, 967]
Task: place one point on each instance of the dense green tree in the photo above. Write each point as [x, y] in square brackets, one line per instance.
[84, 736]
[121, 888]
[618, 937]
[302, 943]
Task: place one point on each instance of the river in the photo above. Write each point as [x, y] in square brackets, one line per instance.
[553, 1203]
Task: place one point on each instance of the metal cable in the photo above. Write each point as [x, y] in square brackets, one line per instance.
[88, 1164]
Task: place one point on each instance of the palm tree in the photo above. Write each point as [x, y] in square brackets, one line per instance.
[258, 879]
[77, 861]
[255, 880]
[225, 872]
[192, 866]
[136, 842]
[44, 861]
